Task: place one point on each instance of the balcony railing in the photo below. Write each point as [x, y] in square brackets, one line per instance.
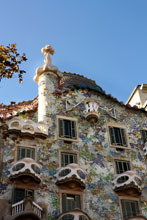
[22, 206]
[128, 179]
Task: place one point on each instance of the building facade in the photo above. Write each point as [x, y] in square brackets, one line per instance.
[72, 153]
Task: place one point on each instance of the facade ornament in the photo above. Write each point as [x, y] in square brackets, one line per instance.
[26, 166]
[47, 66]
[127, 178]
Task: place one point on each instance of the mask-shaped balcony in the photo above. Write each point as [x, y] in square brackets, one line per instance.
[74, 215]
[72, 173]
[25, 168]
[91, 111]
[145, 149]
[137, 218]
[127, 180]
[27, 127]
[26, 209]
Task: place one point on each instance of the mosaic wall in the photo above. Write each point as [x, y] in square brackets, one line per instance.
[96, 156]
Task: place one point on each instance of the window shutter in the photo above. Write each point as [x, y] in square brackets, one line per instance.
[77, 202]
[64, 203]
[19, 153]
[61, 128]
[74, 158]
[144, 135]
[129, 208]
[123, 137]
[112, 136]
[33, 154]
[73, 129]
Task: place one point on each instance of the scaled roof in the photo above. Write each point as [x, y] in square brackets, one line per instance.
[69, 81]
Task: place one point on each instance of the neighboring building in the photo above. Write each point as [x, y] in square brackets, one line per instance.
[73, 153]
[139, 97]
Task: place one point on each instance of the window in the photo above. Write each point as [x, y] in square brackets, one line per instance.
[67, 129]
[20, 194]
[144, 135]
[25, 152]
[122, 166]
[70, 202]
[67, 158]
[130, 208]
[118, 136]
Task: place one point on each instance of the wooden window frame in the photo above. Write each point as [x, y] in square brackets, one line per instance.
[25, 146]
[143, 129]
[121, 159]
[23, 187]
[68, 152]
[58, 131]
[114, 125]
[130, 199]
[71, 192]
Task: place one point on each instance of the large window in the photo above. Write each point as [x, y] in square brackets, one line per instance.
[70, 202]
[144, 135]
[25, 152]
[118, 136]
[122, 166]
[20, 194]
[67, 128]
[130, 208]
[68, 158]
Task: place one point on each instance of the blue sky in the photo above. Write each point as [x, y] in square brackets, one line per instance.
[105, 40]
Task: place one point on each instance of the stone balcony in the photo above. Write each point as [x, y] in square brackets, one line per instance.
[25, 209]
[27, 127]
[137, 218]
[74, 215]
[127, 180]
[91, 112]
[25, 168]
[71, 174]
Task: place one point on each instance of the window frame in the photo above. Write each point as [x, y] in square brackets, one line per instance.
[143, 129]
[68, 152]
[25, 146]
[71, 192]
[25, 190]
[129, 199]
[114, 125]
[58, 128]
[123, 160]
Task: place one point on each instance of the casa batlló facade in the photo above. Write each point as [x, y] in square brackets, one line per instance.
[72, 153]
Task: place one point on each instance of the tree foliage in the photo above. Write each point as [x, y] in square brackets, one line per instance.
[10, 60]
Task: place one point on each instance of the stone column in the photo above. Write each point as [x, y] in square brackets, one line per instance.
[47, 84]
[47, 77]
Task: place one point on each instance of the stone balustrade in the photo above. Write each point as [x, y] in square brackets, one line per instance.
[26, 206]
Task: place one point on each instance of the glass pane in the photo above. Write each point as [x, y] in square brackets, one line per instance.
[22, 153]
[19, 195]
[67, 128]
[28, 152]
